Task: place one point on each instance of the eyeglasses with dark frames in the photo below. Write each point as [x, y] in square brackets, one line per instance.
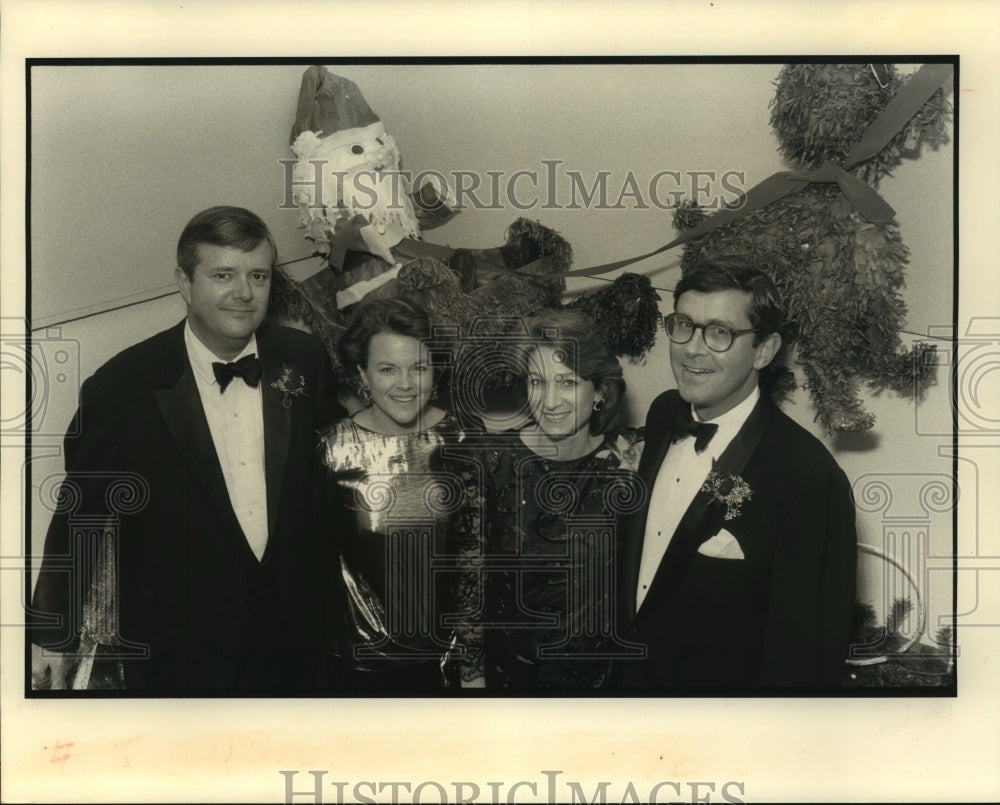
[717, 337]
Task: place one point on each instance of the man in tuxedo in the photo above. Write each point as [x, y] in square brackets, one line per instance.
[739, 569]
[194, 453]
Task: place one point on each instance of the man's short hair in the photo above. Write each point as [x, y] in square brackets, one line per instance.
[728, 273]
[222, 226]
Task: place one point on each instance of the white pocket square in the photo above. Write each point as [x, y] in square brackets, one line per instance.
[722, 546]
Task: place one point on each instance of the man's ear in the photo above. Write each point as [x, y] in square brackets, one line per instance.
[766, 350]
[183, 284]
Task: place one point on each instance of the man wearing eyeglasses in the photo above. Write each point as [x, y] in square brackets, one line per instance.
[739, 570]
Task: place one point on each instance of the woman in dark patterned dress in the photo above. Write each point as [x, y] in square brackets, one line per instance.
[550, 494]
[391, 503]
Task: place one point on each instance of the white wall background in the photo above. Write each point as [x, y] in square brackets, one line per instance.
[122, 156]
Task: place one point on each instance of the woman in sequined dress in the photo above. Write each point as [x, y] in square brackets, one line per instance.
[391, 502]
[550, 495]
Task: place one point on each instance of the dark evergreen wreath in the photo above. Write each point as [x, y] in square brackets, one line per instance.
[626, 311]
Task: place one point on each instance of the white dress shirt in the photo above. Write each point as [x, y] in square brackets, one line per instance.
[236, 421]
[678, 480]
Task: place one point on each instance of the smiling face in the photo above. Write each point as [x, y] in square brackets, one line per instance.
[227, 295]
[401, 380]
[561, 402]
[716, 382]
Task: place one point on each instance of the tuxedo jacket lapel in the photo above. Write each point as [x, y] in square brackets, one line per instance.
[277, 431]
[180, 404]
[185, 417]
[703, 516]
[735, 457]
[181, 407]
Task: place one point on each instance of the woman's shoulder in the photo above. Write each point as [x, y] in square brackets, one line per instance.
[338, 430]
[341, 443]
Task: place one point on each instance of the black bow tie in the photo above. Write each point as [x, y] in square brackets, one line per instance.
[685, 425]
[248, 368]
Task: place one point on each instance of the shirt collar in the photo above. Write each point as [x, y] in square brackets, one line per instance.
[202, 357]
[735, 415]
[730, 423]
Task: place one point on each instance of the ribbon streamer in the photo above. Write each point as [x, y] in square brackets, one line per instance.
[898, 112]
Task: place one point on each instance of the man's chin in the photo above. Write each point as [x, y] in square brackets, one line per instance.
[241, 335]
[687, 395]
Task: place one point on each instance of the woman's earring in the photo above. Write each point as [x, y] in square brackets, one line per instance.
[434, 393]
[598, 404]
[365, 394]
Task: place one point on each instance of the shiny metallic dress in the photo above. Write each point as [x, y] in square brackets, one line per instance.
[396, 572]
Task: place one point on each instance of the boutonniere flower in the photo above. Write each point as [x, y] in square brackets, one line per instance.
[290, 384]
[731, 490]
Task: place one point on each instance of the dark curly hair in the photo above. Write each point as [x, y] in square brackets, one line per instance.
[397, 316]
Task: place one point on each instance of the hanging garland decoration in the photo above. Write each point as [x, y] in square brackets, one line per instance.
[822, 232]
